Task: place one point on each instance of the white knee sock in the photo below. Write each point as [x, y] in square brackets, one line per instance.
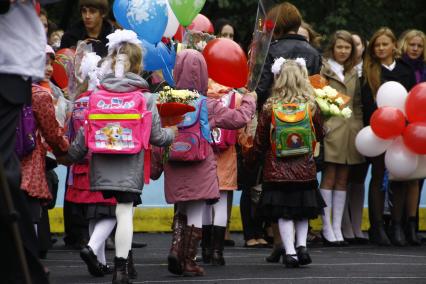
[124, 231]
[327, 230]
[301, 232]
[356, 207]
[194, 212]
[286, 227]
[346, 221]
[220, 209]
[339, 199]
[102, 230]
[207, 215]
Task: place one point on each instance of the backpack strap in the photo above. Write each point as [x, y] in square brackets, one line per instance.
[147, 165]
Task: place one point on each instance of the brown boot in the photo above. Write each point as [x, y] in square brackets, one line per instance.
[192, 240]
[176, 255]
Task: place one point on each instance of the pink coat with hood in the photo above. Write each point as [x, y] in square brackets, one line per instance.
[198, 180]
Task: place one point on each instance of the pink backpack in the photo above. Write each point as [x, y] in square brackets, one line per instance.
[224, 138]
[190, 144]
[118, 123]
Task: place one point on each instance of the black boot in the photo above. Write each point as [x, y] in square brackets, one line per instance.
[303, 256]
[206, 243]
[397, 234]
[121, 274]
[218, 244]
[133, 274]
[410, 232]
[378, 235]
[93, 265]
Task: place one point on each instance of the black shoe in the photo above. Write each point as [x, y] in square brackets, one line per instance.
[229, 243]
[397, 235]
[343, 243]
[275, 255]
[378, 235]
[138, 245]
[218, 243]
[410, 232]
[106, 269]
[327, 243]
[91, 261]
[361, 241]
[303, 256]
[120, 274]
[290, 261]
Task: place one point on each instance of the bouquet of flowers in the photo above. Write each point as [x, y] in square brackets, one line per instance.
[331, 102]
[196, 40]
[173, 104]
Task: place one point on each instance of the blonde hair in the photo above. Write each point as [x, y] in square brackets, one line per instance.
[409, 35]
[291, 85]
[372, 65]
[134, 52]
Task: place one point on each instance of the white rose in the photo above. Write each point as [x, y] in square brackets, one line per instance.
[346, 112]
[334, 110]
[320, 93]
[339, 101]
[331, 93]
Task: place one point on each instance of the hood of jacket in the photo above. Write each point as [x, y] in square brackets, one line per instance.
[129, 83]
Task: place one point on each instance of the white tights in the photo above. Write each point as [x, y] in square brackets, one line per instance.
[193, 210]
[124, 231]
[219, 211]
[99, 231]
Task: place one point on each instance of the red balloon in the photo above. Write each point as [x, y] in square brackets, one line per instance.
[179, 33]
[226, 62]
[415, 105]
[201, 24]
[387, 122]
[64, 61]
[415, 137]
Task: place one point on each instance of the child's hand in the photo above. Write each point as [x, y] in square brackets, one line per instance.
[175, 130]
[251, 94]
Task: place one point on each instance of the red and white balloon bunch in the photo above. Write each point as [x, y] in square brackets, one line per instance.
[398, 129]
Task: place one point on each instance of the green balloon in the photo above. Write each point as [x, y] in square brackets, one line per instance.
[186, 10]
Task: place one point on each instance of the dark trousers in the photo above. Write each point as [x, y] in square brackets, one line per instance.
[252, 226]
[13, 88]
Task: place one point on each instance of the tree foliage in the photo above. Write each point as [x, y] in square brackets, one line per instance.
[326, 16]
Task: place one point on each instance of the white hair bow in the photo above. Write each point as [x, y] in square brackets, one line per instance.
[89, 68]
[276, 67]
[120, 36]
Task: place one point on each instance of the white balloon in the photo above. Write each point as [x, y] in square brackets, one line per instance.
[369, 145]
[172, 24]
[399, 160]
[392, 94]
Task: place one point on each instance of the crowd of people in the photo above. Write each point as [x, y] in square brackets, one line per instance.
[103, 189]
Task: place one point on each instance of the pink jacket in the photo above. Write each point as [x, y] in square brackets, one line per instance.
[199, 180]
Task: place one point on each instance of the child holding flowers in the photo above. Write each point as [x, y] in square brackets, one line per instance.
[339, 142]
[192, 184]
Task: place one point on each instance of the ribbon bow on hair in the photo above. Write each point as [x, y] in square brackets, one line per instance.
[276, 67]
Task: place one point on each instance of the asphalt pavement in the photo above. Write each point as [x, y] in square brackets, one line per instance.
[353, 264]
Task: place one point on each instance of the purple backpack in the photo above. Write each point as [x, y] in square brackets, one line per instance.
[25, 132]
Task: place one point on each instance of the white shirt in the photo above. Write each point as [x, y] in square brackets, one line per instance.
[22, 42]
[358, 69]
[390, 67]
[337, 68]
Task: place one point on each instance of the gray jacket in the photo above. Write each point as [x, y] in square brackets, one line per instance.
[121, 172]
